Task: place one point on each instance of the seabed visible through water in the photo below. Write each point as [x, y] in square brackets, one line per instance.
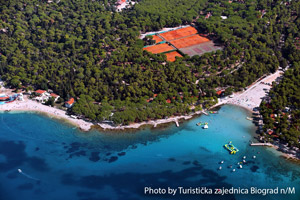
[59, 162]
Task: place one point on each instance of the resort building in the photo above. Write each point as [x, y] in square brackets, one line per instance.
[40, 92]
[55, 96]
[70, 103]
[122, 4]
[43, 96]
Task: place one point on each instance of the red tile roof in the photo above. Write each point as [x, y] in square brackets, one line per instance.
[40, 91]
[168, 101]
[219, 92]
[71, 101]
[54, 95]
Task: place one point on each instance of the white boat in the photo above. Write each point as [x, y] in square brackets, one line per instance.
[19, 170]
[233, 170]
[241, 166]
[244, 157]
[254, 157]
[220, 168]
[205, 126]
[222, 162]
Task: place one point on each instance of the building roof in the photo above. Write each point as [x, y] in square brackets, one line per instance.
[121, 1]
[219, 92]
[40, 91]
[54, 95]
[168, 101]
[71, 101]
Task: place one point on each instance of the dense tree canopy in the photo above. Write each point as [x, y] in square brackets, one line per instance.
[84, 49]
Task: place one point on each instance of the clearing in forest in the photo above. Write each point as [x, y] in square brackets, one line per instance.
[157, 39]
[184, 40]
[189, 41]
[172, 56]
[179, 33]
[159, 48]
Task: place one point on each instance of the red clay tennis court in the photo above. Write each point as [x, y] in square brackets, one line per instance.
[179, 33]
[189, 41]
[172, 56]
[156, 38]
[160, 48]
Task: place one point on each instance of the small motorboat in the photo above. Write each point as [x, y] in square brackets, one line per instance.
[244, 157]
[241, 166]
[244, 161]
[254, 157]
[222, 162]
[205, 126]
[220, 168]
[233, 170]
[199, 124]
[19, 170]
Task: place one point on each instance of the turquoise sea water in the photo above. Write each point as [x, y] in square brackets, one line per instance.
[58, 162]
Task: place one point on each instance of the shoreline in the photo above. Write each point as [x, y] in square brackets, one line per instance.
[32, 106]
[240, 99]
[248, 100]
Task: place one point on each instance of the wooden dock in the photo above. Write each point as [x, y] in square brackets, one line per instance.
[261, 144]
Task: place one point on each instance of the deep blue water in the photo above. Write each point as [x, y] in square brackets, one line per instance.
[60, 163]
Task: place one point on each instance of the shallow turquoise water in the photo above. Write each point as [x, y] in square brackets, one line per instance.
[60, 162]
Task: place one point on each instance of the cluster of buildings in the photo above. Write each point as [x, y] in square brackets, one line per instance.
[43, 96]
[122, 4]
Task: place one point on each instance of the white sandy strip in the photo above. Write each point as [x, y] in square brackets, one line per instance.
[248, 99]
[252, 97]
[33, 106]
[152, 122]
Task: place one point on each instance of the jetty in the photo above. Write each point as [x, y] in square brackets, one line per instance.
[176, 122]
[205, 113]
[261, 144]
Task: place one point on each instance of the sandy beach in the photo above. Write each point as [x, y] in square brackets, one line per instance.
[248, 99]
[33, 106]
[253, 96]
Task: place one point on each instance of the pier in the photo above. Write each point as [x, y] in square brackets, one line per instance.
[176, 122]
[205, 113]
[261, 144]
